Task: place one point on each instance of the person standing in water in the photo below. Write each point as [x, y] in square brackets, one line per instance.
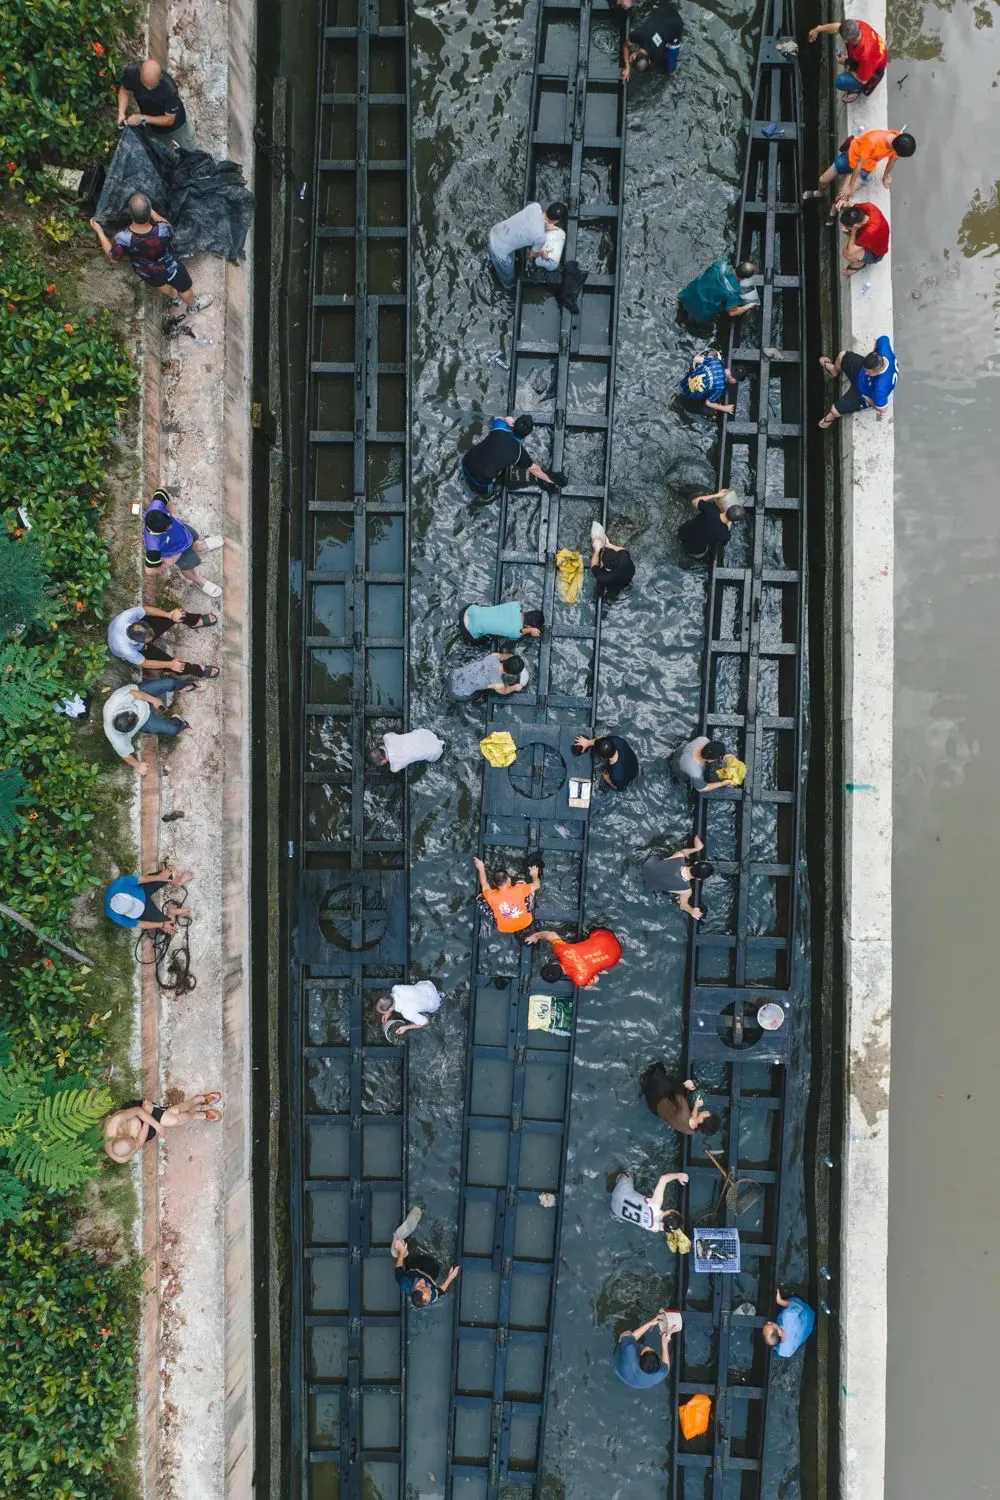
[666, 1097]
[655, 40]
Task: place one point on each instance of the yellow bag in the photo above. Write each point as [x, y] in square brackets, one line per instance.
[694, 1414]
[499, 748]
[569, 566]
[732, 770]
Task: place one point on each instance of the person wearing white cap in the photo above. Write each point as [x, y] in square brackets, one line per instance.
[415, 1003]
[128, 901]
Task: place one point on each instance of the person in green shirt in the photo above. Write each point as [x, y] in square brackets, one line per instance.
[723, 287]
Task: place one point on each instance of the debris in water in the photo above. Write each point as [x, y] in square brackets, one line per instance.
[548, 1200]
[495, 357]
[302, 193]
[771, 131]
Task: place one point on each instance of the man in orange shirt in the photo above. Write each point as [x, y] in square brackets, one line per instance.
[858, 160]
[865, 59]
[509, 903]
[580, 961]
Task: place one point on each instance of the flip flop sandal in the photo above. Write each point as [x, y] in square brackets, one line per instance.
[204, 620]
[811, 194]
[187, 687]
[211, 589]
[211, 1115]
[209, 672]
[827, 365]
[209, 1098]
[826, 423]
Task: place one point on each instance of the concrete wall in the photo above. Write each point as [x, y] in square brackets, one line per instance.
[867, 539]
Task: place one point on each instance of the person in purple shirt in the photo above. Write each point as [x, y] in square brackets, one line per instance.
[872, 377]
[795, 1322]
[167, 539]
[638, 1364]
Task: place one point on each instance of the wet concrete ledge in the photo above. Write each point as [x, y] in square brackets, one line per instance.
[195, 1380]
[867, 466]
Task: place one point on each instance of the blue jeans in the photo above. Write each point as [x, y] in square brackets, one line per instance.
[503, 265]
[159, 723]
[847, 83]
[843, 167]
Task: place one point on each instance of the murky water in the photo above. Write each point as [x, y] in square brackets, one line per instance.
[472, 73]
[943, 1284]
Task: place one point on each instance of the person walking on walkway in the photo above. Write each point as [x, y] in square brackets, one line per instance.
[621, 764]
[526, 230]
[867, 231]
[795, 1322]
[146, 245]
[705, 534]
[657, 40]
[666, 1097]
[128, 1129]
[872, 377]
[637, 1363]
[160, 107]
[132, 637]
[128, 901]
[706, 381]
[501, 672]
[500, 452]
[418, 1274]
[170, 541]
[579, 961]
[509, 902]
[413, 1004]
[858, 160]
[676, 875]
[506, 622]
[865, 57]
[697, 761]
[722, 288]
[629, 1205]
[130, 710]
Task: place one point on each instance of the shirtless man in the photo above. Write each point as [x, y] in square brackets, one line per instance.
[128, 1129]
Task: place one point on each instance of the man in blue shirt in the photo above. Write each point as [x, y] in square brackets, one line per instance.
[639, 1365]
[872, 377]
[417, 1274]
[795, 1323]
[706, 381]
[128, 901]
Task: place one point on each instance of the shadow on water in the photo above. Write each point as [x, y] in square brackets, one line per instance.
[471, 87]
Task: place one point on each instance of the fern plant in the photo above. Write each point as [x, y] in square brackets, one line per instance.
[28, 687]
[48, 1130]
[23, 581]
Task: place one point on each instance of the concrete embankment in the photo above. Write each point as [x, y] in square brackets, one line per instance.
[196, 1432]
[866, 502]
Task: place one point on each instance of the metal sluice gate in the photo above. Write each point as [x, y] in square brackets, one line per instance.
[518, 1083]
[349, 1087]
[754, 699]
[348, 1144]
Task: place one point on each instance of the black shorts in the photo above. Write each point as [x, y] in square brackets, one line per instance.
[179, 278]
[850, 367]
[157, 1111]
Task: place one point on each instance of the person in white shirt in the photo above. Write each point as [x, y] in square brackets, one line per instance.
[413, 1003]
[631, 1207]
[133, 635]
[402, 750]
[549, 256]
[129, 711]
[523, 231]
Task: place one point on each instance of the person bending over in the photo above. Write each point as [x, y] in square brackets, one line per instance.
[666, 1097]
[872, 377]
[621, 764]
[864, 55]
[676, 874]
[867, 230]
[655, 40]
[631, 1207]
[510, 903]
[581, 961]
[146, 244]
[417, 1275]
[794, 1324]
[129, 1128]
[501, 672]
[639, 1365]
[706, 381]
[501, 451]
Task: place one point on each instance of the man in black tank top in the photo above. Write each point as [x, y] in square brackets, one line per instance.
[655, 40]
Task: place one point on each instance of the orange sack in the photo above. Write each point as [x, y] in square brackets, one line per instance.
[694, 1415]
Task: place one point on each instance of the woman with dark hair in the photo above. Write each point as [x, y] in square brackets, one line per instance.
[697, 760]
[133, 634]
[501, 672]
[505, 622]
[631, 1207]
[612, 566]
[676, 875]
[666, 1098]
[580, 961]
[621, 764]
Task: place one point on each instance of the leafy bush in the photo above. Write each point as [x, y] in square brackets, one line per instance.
[67, 1364]
[61, 66]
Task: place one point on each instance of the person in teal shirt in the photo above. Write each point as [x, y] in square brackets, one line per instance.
[722, 288]
[795, 1323]
[507, 622]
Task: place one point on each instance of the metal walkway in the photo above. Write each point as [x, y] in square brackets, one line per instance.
[754, 700]
[518, 1087]
[349, 1089]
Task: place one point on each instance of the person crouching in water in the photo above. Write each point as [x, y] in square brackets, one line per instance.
[581, 961]
[655, 40]
[666, 1097]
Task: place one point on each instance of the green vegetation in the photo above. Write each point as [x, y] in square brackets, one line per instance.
[67, 1311]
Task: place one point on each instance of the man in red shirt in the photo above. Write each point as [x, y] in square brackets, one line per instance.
[580, 961]
[867, 230]
[865, 59]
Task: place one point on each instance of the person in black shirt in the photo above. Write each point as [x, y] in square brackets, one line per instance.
[160, 107]
[612, 566]
[707, 532]
[621, 764]
[655, 40]
[676, 875]
[502, 448]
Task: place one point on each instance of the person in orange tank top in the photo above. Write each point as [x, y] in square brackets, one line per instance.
[509, 903]
[580, 961]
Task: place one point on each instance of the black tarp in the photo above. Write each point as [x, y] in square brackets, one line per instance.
[206, 201]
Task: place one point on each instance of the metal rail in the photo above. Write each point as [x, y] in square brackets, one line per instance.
[517, 1100]
[754, 700]
[348, 1105]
